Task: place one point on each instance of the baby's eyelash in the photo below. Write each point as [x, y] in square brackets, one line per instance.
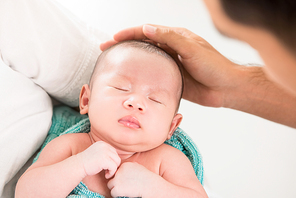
[155, 100]
[121, 89]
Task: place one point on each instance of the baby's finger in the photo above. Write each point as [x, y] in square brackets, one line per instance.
[110, 171]
[111, 184]
[115, 158]
[112, 165]
[114, 188]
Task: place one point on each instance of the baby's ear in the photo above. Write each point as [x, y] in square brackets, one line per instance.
[175, 123]
[84, 99]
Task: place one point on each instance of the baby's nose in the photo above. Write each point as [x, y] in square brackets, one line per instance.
[134, 104]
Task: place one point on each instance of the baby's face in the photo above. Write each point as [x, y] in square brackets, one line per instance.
[132, 102]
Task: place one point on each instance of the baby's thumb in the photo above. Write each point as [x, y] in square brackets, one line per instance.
[110, 171]
[108, 174]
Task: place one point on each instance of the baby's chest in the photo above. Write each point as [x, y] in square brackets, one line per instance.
[151, 162]
[98, 183]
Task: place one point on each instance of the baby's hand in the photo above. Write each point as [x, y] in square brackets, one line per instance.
[132, 180]
[100, 156]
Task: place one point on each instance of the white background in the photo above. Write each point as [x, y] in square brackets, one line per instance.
[244, 156]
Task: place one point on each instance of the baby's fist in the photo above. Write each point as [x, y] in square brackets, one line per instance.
[100, 156]
[131, 180]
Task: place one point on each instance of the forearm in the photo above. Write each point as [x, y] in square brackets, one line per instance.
[56, 180]
[257, 95]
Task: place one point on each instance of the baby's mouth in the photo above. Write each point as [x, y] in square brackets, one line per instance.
[130, 121]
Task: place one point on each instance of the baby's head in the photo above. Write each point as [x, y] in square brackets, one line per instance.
[136, 46]
[133, 96]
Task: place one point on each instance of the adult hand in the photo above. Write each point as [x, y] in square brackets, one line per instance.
[212, 80]
[209, 77]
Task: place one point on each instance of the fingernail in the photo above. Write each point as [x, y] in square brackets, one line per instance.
[149, 29]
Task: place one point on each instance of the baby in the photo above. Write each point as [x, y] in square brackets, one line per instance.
[132, 102]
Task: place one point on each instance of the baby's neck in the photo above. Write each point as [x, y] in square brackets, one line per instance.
[122, 154]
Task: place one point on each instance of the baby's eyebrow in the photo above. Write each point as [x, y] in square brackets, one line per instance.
[118, 74]
[160, 91]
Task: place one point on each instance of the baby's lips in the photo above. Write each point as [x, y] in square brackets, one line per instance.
[130, 121]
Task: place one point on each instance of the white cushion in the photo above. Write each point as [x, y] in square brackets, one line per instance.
[45, 49]
[48, 44]
[25, 119]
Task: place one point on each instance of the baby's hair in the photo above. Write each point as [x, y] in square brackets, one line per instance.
[145, 46]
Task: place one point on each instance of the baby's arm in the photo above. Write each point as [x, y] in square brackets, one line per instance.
[177, 178]
[57, 171]
[180, 175]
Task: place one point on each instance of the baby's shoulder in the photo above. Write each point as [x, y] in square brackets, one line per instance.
[72, 138]
[75, 136]
[169, 148]
[172, 159]
[166, 151]
[77, 142]
[166, 157]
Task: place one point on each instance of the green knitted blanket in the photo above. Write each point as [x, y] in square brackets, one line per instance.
[66, 120]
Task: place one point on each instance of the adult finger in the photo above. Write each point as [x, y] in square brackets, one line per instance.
[139, 33]
[132, 33]
[107, 44]
[181, 40]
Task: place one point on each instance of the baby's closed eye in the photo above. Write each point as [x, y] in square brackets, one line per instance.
[155, 100]
[121, 88]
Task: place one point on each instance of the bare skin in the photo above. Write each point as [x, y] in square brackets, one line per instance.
[212, 80]
[141, 172]
[123, 154]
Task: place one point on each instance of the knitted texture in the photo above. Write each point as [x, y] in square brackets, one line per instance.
[81, 190]
[66, 120]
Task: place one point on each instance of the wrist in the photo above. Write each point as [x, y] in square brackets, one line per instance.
[156, 182]
[80, 170]
[256, 94]
[243, 87]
